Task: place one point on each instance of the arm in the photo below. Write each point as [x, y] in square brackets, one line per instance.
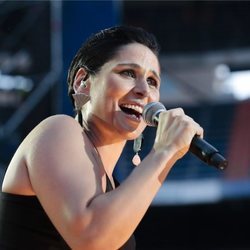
[67, 180]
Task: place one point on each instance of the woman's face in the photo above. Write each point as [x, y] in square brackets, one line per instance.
[121, 89]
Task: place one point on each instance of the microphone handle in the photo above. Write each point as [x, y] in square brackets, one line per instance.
[207, 153]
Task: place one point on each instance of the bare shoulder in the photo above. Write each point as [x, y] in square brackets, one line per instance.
[51, 138]
[57, 149]
[59, 122]
[57, 125]
[57, 134]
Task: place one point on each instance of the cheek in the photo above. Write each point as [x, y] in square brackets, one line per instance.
[107, 94]
[116, 88]
[155, 96]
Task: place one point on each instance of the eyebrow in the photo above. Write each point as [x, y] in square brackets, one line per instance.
[136, 66]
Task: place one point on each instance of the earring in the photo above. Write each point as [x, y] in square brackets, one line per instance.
[137, 148]
[83, 84]
[81, 98]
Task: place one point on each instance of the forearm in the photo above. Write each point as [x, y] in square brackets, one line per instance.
[116, 214]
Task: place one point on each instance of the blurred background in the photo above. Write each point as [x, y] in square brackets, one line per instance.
[205, 60]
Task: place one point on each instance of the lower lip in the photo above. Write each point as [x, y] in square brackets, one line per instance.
[133, 117]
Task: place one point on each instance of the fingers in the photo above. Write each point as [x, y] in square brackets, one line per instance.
[179, 115]
[177, 129]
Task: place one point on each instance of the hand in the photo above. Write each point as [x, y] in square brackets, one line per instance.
[175, 132]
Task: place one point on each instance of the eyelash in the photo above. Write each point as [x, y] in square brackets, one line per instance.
[131, 73]
[128, 72]
[155, 83]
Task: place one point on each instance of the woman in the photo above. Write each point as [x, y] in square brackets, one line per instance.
[58, 191]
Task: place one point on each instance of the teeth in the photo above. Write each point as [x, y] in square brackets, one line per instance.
[134, 107]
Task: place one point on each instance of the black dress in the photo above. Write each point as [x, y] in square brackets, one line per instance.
[25, 225]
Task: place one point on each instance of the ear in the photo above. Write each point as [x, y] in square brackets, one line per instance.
[81, 75]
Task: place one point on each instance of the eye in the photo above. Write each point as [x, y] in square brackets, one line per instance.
[152, 82]
[128, 73]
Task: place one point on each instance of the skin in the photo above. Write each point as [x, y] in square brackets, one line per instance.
[66, 173]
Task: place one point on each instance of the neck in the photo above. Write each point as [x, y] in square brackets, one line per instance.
[110, 155]
[107, 142]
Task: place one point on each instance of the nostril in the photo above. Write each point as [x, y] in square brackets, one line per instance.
[142, 90]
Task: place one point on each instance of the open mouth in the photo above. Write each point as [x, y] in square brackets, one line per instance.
[132, 110]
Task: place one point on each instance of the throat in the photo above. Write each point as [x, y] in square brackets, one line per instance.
[110, 155]
[108, 144]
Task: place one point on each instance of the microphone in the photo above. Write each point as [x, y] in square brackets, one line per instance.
[199, 147]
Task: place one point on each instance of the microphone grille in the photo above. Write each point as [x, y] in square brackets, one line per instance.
[150, 112]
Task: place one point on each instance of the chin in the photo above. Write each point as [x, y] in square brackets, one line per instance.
[129, 131]
[131, 135]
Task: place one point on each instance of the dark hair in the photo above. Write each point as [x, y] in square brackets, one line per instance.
[102, 46]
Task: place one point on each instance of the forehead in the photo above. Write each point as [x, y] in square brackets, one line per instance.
[139, 54]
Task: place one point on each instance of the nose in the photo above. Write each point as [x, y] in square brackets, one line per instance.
[141, 88]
